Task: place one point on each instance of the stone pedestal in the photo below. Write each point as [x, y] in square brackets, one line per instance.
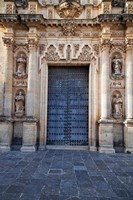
[6, 130]
[128, 135]
[106, 136]
[29, 137]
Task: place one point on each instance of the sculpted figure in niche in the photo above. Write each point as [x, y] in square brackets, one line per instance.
[21, 65]
[19, 104]
[116, 66]
[117, 105]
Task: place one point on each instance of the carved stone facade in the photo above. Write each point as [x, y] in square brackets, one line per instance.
[37, 36]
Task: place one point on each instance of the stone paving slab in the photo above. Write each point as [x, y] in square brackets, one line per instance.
[65, 175]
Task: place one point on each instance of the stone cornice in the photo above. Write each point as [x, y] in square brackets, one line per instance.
[36, 20]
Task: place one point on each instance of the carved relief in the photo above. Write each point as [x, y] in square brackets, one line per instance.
[8, 41]
[19, 103]
[88, 14]
[9, 8]
[117, 105]
[32, 8]
[76, 49]
[51, 54]
[130, 8]
[106, 9]
[86, 54]
[96, 48]
[61, 49]
[42, 48]
[50, 14]
[69, 29]
[69, 9]
[21, 64]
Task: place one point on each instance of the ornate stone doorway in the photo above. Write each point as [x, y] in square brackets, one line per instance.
[67, 121]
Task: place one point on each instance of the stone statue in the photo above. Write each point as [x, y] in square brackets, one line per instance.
[19, 104]
[21, 65]
[118, 3]
[117, 106]
[21, 3]
[116, 66]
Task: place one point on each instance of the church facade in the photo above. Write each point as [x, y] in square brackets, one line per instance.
[66, 75]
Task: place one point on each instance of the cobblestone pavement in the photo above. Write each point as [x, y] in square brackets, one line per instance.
[66, 174]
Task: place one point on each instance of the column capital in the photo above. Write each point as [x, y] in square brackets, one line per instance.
[8, 42]
[105, 44]
[129, 43]
[32, 43]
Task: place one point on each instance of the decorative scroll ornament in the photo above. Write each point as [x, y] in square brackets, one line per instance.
[51, 54]
[86, 54]
[69, 9]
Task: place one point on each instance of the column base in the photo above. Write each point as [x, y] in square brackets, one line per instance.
[128, 135]
[5, 148]
[106, 150]
[106, 136]
[92, 148]
[6, 131]
[28, 148]
[29, 137]
[42, 147]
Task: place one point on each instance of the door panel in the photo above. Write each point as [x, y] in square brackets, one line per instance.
[68, 106]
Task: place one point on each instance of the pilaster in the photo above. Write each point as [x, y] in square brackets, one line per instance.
[105, 124]
[128, 130]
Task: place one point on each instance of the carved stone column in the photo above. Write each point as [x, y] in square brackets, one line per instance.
[105, 123]
[8, 76]
[129, 97]
[6, 127]
[30, 126]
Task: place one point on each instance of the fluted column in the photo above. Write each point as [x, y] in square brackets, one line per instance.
[30, 126]
[129, 81]
[105, 80]
[8, 76]
[32, 78]
[6, 127]
[128, 131]
[105, 123]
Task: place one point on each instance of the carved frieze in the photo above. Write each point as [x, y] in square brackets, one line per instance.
[51, 54]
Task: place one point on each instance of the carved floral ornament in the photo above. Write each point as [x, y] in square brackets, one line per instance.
[69, 28]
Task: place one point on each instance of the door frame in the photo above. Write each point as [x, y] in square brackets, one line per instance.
[93, 101]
